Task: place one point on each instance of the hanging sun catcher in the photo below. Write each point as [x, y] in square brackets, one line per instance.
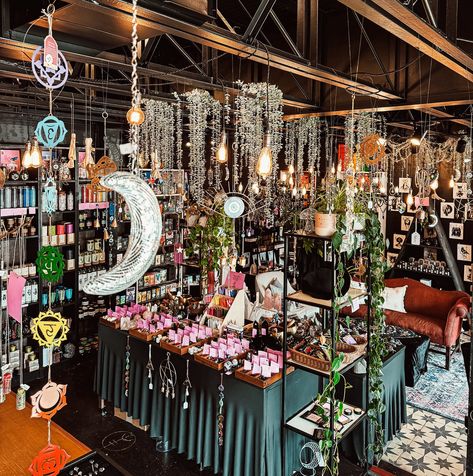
[50, 263]
[49, 461]
[49, 328]
[168, 375]
[48, 401]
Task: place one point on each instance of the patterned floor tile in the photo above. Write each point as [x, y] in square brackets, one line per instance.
[429, 445]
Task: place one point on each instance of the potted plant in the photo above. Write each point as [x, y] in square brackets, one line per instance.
[331, 203]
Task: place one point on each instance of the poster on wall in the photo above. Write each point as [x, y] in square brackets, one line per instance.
[11, 159]
[456, 231]
[398, 241]
[406, 223]
[447, 210]
[463, 252]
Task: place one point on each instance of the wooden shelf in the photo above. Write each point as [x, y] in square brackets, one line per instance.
[303, 298]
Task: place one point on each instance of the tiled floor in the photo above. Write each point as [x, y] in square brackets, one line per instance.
[429, 445]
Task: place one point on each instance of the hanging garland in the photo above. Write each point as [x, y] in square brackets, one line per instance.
[200, 105]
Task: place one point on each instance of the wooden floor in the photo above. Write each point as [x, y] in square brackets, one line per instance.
[22, 437]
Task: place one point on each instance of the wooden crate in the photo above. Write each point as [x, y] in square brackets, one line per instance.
[145, 336]
[179, 349]
[113, 324]
[257, 381]
[203, 359]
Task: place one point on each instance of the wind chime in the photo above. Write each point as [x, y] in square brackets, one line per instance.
[49, 328]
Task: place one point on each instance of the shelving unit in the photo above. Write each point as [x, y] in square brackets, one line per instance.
[296, 422]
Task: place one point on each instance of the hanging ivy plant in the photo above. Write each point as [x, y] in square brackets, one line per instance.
[377, 345]
[211, 241]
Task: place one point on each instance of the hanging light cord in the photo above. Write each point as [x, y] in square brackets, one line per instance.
[135, 93]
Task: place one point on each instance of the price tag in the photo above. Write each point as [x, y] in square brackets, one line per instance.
[246, 365]
[266, 371]
[185, 341]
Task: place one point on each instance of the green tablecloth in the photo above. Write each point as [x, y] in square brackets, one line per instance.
[252, 425]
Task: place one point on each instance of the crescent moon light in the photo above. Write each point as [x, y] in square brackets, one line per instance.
[145, 234]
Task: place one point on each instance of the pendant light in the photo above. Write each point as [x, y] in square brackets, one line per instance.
[26, 160]
[410, 198]
[264, 165]
[135, 115]
[222, 151]
[415, 140]
[36, 154]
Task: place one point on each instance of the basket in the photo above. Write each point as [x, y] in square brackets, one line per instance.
[349, 352]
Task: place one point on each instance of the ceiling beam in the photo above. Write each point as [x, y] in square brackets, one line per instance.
[22, 52]
[406, 25]
[401, 107]
[222, 40]
[258, 20]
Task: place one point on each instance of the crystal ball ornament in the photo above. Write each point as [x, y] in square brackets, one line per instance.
[50, 131]
[48, 77]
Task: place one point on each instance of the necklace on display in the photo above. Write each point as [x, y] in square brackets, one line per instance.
[220, 417]
[127, 365]
[187, 385]
[150, 368]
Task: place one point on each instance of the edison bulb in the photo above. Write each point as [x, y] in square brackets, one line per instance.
[222, 152]
[304, 190]
[291, 169]
[264, 165]
[240, 187]
[26, 160]
[36, 154]
[434, 185]
[333, 170]
[283, 177]
[135, 116]
[452, 182]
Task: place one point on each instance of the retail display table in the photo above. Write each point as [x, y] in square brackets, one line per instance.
[252, 423]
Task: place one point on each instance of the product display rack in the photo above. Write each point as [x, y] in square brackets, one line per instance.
[295, 422]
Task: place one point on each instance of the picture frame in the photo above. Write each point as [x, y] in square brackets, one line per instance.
[463, 252]
[405, 184]
[456, 231]
[467, 275]
[391, 258]
[398, 241]
[406, 222]
[447, 210]
[430, 253]
[460, 190]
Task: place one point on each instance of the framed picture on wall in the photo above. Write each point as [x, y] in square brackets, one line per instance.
[463, 252]
[398, 241]
[406, 222]
[460, 190]
[456, 231]
[393, 203]
[391, 259]
[467, 273]
[447, 210]
[405, 184]
[430, 253]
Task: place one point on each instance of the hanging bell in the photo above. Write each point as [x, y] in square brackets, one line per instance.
[106, 235]
[114, 223]
[97, 222]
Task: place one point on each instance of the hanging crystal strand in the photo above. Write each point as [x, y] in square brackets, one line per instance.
[150, 368]
[126, 376]
[216, 134]
[220, 416]
[135, 93]
[178, 131]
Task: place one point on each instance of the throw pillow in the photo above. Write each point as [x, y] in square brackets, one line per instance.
[394, 299]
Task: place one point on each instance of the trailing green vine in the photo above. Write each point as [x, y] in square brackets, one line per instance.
[377, 346]
[211, 241]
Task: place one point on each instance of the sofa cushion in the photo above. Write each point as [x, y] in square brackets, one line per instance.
[394, 298]
[424, 325]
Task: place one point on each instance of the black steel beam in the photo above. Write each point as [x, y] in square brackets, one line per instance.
[223, 40]
[451, 22]
[258, 19]
[184, 53]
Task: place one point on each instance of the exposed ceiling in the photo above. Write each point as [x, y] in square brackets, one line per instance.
[414, 61]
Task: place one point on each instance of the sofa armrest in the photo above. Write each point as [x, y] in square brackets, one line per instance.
[454, 319]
